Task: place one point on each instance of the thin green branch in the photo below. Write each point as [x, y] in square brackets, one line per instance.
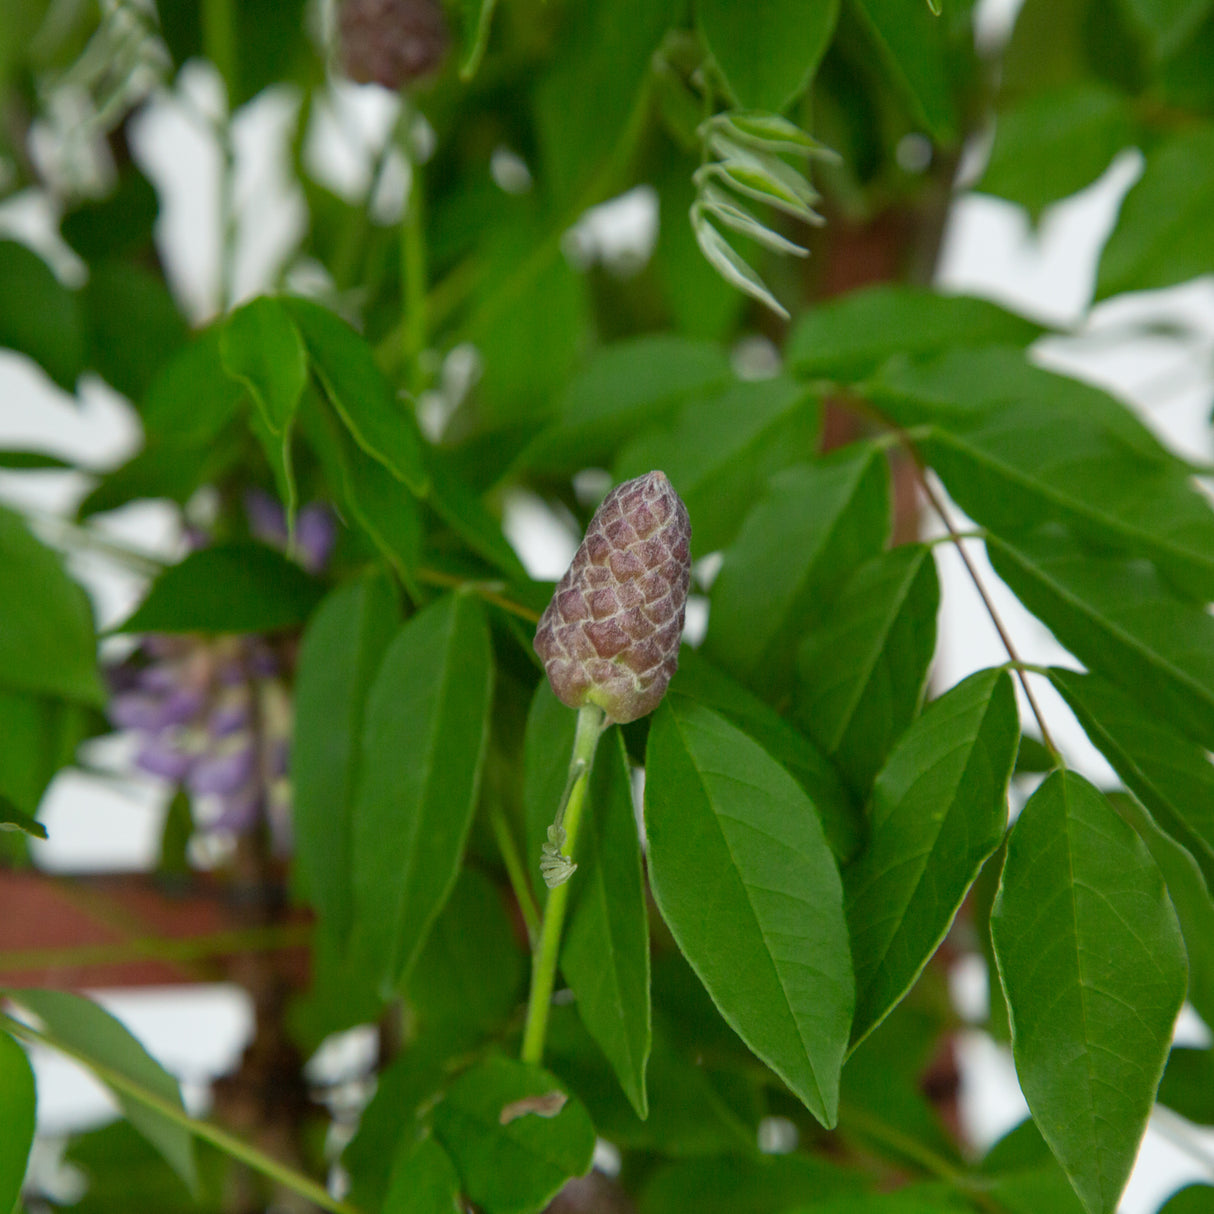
[515, 870]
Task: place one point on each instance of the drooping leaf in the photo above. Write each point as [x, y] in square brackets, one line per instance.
[261, 347]
[723, 258]
[720, 452]
[191, 398]
[793, 549]
[424, 1181]
[938, 810]
[1092, 962]
[1188, 1084]
[767, 54]
[511, 1160]
[1170, 775]
[236, 587]
[745, 880]
[850, 337]
[423, 744]
[39, 316]
[723, 207]
[605, 952]
[47, 642]
[12, 818]
[862, 670]
[338, 658]
[18, 1098]
[91, 1034]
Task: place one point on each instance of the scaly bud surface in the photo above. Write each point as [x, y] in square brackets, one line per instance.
[610, 636]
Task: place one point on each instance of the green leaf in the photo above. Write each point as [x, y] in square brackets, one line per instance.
[768, 53]
[357, 389]
[724, 208]
[1162, 235]
[12, 818]
[192, 398]
[730, 265]
[1165, 25]
[424, 1181]
[1092, 963]
[512, 1161]
[261, 347]
[1192, 1199]
[1121, 620]
[423, 744]
[237, 587]
[92, 1035]
[1017, 446]
[1052, 144]
[638, 381]
[743, 876]
[1024, 1176]
[1188, 1084]
[338, 657]
[605, 953]
[39, 316]
[40, 735]
[1170, 775]
[767, 132]
[47, 643]
[816, 523]
[18, 1099]
[850, 337]
[119, 225]
[26, 461]
[720, 452]
[939, 809]
[547, 745]
[861, 673]
[760, 175]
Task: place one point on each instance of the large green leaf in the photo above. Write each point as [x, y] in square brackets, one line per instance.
[262, 348]
[1188, 1084]
[720, 452]
[191, 398]
[767, 53]
[938, 810]
[861, 671]
[815, 525]
[605, 953]
[237, 587]
[338, 657]
[745, 880]
[47, 643]
[1165, 25]
[91, 1034]
[423, 745]
[850, 337]
[1192, 1199]
[357, 389]
[423, 1181]
[39, 316]
[1170, 775]
[1121, 620]
[513, 1160]
[18, 1098]
[1162, 235]
[1092, 963]
[1017, 446]
[40, 735]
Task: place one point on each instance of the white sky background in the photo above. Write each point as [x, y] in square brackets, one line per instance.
[989, 250]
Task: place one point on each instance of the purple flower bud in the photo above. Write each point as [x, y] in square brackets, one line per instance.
[267, 519]
[240, 809]
[222, 773]
[315, 535]
[160, 757]
[610, 636]
[230, 715]
[392, 42]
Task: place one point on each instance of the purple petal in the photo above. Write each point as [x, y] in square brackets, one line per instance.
[224, 773]
[266, 518]
[260, 660]
[229, 718]
[315, 535]
[161, 758]
[240, 810]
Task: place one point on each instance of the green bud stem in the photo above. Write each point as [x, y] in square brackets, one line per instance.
[558, 861]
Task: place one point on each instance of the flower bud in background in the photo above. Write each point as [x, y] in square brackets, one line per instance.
[392, 42]
[610, 636]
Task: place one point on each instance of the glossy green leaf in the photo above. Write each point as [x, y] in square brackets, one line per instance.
[39, 316]
[91, 1034]
[191, 398]
[1025, 1178]
[850, 337]
[384, 428]
[40, 735]
[423, 744]
[338, 658]
[18, 1099]
[1052, 144]
[12, 818]
[720, 452]
[261, 347]
[237, 587]
[745, 880]
[1121, 620]
[511, 1160]
[1170, 775]
[1188, 1084]
[938, 810]
[914, 1199]
[1162, 236]
[605, 952]
[816, 523]
[1192, 1199]
[1092, 962]
[769, 53]
[1165, 25]
[1016, 446]
[423, 1181]
[47, 643]
[861, 672]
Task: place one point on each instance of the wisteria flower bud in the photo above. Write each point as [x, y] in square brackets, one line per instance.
[610, 636]
[392, 42]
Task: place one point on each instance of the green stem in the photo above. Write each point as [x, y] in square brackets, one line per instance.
[413, 272]
[590, 725]
[513, 861]
[305, 1186]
